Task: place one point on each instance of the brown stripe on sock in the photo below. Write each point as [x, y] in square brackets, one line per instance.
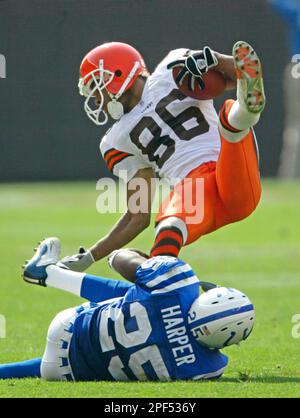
[224, 121]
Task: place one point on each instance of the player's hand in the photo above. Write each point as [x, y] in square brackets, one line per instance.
[194, 65]
[79, 262]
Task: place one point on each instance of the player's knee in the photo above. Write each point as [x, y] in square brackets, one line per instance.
[244, 209]
[49, 372]
[59, 323]
[241, 213]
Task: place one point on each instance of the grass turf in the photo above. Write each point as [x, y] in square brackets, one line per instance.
[259, 256]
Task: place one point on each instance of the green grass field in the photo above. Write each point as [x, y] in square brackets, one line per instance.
[259, 256]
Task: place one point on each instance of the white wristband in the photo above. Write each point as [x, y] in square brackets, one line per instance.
[111, 258]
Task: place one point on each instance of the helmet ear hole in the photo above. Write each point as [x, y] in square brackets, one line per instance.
[118, 73]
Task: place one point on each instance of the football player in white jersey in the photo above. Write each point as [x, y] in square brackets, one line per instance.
[161, 131]
[157, 328]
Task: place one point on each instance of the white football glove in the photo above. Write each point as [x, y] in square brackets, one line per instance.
[79, 262]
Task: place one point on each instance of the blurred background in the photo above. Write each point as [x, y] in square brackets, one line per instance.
[45, 134]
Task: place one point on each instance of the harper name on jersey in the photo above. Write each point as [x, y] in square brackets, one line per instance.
[166, 130]
[177, 335]
[144, 335]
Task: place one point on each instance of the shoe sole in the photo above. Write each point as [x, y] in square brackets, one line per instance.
[27, 262]
[249, 72]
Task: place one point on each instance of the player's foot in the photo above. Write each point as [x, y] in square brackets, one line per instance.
[47, 253]
[250, 90]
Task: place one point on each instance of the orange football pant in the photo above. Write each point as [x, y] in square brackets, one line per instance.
[231, 192]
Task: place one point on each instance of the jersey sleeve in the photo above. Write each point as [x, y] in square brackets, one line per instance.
[173, 55]
[121, 163]
[167, 275]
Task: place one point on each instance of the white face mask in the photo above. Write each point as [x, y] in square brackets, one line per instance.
[88, 90]
[100, 79]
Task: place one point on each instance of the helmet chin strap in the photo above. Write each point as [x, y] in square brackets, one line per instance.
[115, 109]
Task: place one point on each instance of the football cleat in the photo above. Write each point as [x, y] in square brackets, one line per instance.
[47, 253]
[250, 90]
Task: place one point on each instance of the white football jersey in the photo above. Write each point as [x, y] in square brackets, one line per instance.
[166, 130]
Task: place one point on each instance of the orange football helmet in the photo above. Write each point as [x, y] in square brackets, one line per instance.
[114, 66]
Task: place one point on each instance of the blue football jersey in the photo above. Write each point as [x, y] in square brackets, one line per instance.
[145, 334]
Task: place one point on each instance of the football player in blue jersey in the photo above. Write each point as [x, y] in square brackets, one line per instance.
[157, 328]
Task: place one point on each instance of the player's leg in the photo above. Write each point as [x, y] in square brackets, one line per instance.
[42, 270]
[237, 173]
[170, 236]
[237, 176]
[188, 213]
[20, 370]
[55, 364]
[87, 286]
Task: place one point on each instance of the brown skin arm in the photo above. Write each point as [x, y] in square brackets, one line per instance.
[130, 224]
[126, 261]
[226, 65]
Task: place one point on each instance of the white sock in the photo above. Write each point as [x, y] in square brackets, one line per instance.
[240, 118]
[63, 279]
[232, 136]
